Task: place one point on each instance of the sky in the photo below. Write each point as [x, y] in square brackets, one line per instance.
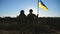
[12, 8]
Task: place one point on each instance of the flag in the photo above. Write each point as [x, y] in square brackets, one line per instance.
[42, 5]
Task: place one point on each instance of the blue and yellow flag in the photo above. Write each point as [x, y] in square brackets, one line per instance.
[42, 5]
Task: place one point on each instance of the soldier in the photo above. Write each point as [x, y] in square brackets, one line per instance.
[21, 21]
[31, 20]
[21, 18]
[31, 17]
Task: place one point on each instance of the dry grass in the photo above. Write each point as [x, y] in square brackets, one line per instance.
[8, 32]
[18, 32]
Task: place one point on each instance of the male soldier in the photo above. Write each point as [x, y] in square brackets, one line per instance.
[31, 20]
[21, 18]
[21, 21]
[31, 17]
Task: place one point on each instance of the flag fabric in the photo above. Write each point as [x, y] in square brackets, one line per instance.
[42, 5]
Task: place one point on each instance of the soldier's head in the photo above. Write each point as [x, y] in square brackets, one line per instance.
[22, 12]
[30, 11]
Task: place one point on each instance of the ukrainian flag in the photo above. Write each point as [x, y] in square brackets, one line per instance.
[42, 5]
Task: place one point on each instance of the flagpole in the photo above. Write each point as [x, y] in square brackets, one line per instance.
[38, 9]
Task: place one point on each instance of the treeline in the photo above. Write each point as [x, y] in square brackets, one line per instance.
[51, 21]
[7, 20]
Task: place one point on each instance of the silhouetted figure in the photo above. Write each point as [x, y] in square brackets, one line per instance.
[21, 21]
[31, 17]
[33, 21]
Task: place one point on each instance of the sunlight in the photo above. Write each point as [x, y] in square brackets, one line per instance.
[34, 11]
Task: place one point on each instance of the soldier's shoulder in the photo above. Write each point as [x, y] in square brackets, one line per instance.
[28, 14]
[33, 14]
